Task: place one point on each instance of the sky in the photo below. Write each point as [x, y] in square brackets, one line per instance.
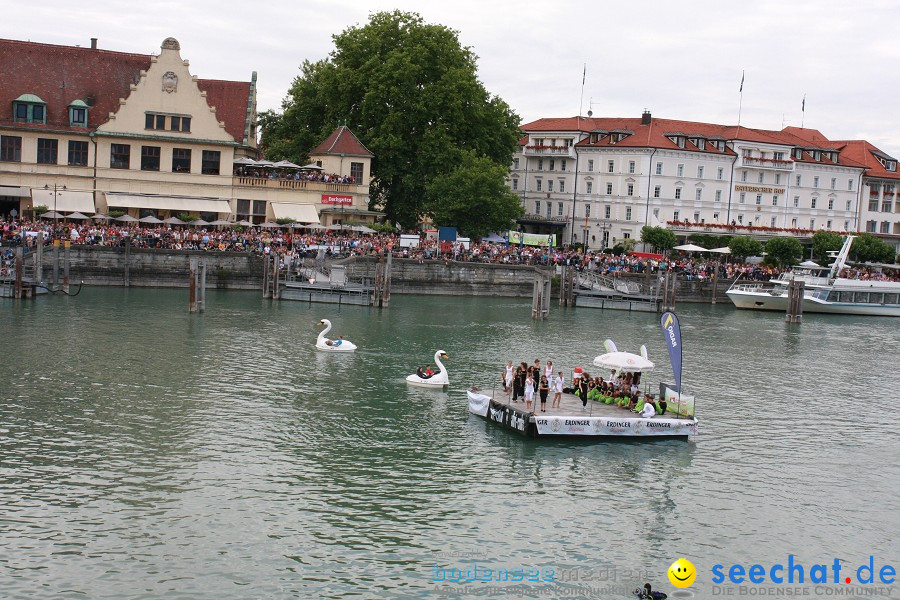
[680, 60]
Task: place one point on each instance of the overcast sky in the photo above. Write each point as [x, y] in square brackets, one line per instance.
[681, 60]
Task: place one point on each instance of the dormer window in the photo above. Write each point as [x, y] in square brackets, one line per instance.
[798, 153]
[78, 114]
[701, 144]
[680, 141]
[28, 108]
[817, 155]
[890, 165]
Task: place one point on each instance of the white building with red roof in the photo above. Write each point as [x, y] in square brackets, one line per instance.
[600, 180]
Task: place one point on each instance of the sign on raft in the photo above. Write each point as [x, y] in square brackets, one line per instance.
[612, 426]
[336, 199]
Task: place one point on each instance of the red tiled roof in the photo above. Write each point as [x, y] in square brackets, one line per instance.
[341, 141]
[60, 74]
[862, 152]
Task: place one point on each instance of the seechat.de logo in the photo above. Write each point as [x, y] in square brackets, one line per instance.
[682, 573]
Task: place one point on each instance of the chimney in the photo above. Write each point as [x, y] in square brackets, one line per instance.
[93, 43]
[645, 118]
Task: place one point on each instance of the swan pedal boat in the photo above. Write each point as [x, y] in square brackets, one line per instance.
[322, 343]
[439, 379]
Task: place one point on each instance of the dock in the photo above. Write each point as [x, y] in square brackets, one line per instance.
[571, 419]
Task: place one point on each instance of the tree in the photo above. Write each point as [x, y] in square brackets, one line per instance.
[742, 246]
[868, 248]
[474, 198]
[659, 238]
[784, 250]
[410, 92]
[824, 242]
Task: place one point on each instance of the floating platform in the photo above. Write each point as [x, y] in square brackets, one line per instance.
[357, 295]
[571, 419]
[612, 302]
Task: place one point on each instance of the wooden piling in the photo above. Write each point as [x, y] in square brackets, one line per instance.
[794, 312]
[192, 293]
[55, 264]
[267, 263]
[20, 268]
[201, 286]
[127, 273]
[567, 286]
[66, 247]
[540, 301]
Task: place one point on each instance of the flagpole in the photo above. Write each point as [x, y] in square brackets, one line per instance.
[803, 112]
[741, 102]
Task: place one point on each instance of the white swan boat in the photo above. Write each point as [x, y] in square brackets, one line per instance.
[439, 379]
[327, 345]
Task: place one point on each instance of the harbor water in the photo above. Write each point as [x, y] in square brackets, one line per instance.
[146, 452]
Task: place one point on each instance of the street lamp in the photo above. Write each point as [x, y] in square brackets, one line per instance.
[56, 190]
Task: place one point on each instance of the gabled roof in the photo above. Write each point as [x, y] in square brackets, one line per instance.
[341, 141]
[62, 74]
[864, 153]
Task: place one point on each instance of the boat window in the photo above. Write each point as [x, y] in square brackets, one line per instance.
[890, 298]
[861, 297]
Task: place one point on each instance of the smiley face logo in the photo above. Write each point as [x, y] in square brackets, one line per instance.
[682, 573]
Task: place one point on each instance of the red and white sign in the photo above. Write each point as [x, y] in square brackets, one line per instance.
[334, 199]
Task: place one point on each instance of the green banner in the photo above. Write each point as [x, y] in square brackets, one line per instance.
[517, 238]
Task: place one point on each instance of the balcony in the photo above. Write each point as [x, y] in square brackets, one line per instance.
[767, 163]
[563, 151]
[292, 184]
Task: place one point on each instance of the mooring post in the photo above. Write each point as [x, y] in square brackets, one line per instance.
[265, 286]
[192, 293]
[202, 294]
[379, 282]
[66, 246]
[715, 281]
[540, 301]
[795, 301]
[127, 274]
[19, 271]
[386, 293]
[38, 258]
[55, 264]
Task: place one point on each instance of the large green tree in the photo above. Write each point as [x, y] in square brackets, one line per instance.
[868, 248]
[824, 242]
[784, 250]
[742, 246]
[659, 238]
[474, 198]
[410, 92]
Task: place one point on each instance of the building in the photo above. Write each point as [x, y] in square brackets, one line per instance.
[600, 180]
[97, 131]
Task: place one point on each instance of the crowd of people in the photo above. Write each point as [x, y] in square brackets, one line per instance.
[620, 389]
[284, 175]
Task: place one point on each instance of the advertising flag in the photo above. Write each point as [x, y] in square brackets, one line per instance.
[672, 333]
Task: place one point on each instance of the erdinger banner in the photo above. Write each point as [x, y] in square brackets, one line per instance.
[672, 333]
[613, 426]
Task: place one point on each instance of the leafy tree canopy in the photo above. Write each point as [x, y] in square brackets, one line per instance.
[658, 237]
[743, 246]
[474, 198]
[868, 248]
[784, 250]
[410, 92]
[824, 242]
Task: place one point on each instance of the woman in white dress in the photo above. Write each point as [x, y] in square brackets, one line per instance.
[508, 377]
[529, 390]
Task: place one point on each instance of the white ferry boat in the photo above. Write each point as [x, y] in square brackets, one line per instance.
[825, 291]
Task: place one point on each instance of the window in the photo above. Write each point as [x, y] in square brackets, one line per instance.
[741, 219]
[562, 165]
[149, 158]
[552, 164]
[812, 223]
[10, 148]
[778, 155]
[154, 121]
[210, 164]
[886, 206]
[559, 208]
[181, 160]
[120, 156]
[47, 151]
[680, 170]
[696, 217]
[816, 181]
[659, 168]
[538, 184]
[549, 185]
[606, 211]
[831, 204]
[562, 185]
[537, 207]
[356, 171]
[515, 183]
[849, 186]
[849, 204]
[746, 152]
[760, 177]
[775, 200]
[759, 198]
[828, 224]
[78, 114]
[833, 182]
[549, 209]
[631, 189]
[796, 201]
[675, 216]
[700, 172]
[846, 225]
[656, 191]
[626, 235]
[589, 187]
[78, 153]
[798, 181]
[30, 109]
[515, 165]
[538, 141]
[678, 193]
[718, 195]
[610, 166]
[873, 205]
[698, 193]
[773, 221]
[871, 226]
[777, 178]
[794, 223]
[540, 164]
[743, 175]
[812, 203]
[628, 213]
[587, 211]
[720, 173]
[591, 165]
[609, 189]
[631, 166]
[180, 124]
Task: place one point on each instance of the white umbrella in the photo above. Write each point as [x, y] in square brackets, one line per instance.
[53, 215]
[809, 263]
[265, 163]
[286, 164]
[174, 221]
[220, 222]
[691, 248]
[722, 250]
[269, 224]
[623, 361]
[245, 223]
[244, 160]
[77, 216]
[364, 229]
[150, 219]
[336, 227]
[198, 223]
[312, 167]
[101, 216]
[126, 219]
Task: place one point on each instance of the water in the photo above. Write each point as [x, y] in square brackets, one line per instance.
[147, 452]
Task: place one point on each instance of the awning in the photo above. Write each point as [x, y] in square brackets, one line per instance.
[64, 201]
[15, 191]
[173, 203]
[300, 213]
